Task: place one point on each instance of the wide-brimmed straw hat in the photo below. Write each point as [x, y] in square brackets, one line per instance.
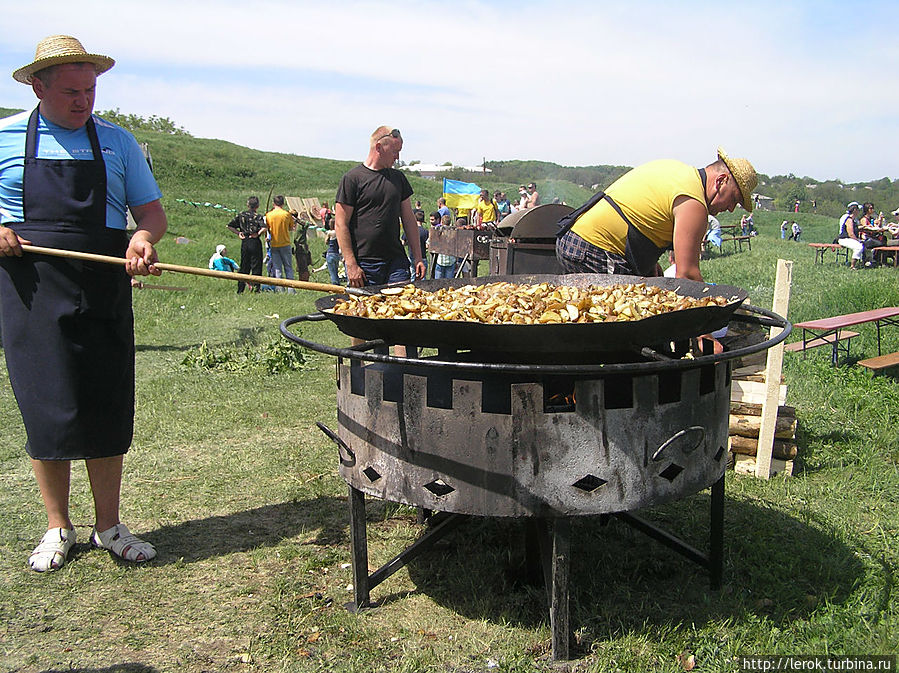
[59, 49]
[744, 174]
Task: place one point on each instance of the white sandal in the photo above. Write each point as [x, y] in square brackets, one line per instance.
[53, 549]
[123, 543]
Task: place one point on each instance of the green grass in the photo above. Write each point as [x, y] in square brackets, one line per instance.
[239, 490]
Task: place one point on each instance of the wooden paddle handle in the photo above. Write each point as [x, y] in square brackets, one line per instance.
[212, 273]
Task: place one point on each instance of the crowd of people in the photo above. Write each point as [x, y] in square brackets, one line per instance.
[862, 229]
[285, 235]
[487, 213]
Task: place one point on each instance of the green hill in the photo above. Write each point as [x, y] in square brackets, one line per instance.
[200, 169]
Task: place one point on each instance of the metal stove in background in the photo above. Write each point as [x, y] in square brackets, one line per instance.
[527, 241]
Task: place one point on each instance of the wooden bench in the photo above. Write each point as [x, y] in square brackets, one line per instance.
[881, 362]
[800, 346]
[881, 254]
[833, 328]
[821, 248]
[738, 241]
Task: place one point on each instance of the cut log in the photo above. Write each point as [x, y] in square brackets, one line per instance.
[754, 359]
[749, 426]
[756, 409]
[748, 446]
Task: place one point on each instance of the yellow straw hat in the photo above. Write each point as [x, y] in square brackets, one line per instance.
[59, 49]
[745, 176]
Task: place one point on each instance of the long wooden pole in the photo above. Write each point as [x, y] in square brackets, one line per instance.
[212, 273]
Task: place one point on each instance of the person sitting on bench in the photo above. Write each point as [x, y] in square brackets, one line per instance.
[848, 236]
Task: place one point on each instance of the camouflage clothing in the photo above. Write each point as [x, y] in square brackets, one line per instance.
[299, 238]
[248, 223]
[301, 249]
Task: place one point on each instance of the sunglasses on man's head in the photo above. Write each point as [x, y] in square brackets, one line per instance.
[394, 133]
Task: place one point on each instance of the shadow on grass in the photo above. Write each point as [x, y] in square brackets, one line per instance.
[266, 526]
[621, 581]
[813, 454]
[776, 566]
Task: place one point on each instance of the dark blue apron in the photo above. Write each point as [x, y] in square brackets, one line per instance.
[67, 325]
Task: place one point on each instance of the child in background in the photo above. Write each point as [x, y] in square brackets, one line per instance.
[219, 262]
[446, 264]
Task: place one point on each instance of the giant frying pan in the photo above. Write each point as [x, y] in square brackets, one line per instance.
[570, 338]
[548, 338]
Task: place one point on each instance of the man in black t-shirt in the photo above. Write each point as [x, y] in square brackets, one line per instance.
[372, 199]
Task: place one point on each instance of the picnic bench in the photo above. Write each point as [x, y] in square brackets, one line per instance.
[881, 362]
[738, 241]
[832, 330]
[882, 253]
[800, 346]
[821, 248]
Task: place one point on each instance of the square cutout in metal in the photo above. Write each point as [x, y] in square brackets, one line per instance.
[589, 483]
[619, 391]
[372, 474]
[670, 473]
[439, 487]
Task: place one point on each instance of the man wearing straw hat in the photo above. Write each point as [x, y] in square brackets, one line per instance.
[656, 206]
[66, 180]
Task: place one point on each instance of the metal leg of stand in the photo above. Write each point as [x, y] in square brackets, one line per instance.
[359, 544]
[533, 563]
[716, 534]
[558, 608]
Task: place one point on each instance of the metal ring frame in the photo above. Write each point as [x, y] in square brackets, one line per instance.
[363, 351]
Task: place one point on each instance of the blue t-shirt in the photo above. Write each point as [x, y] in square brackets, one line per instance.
[129, 181]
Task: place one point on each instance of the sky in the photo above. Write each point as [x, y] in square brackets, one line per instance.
[798, 87]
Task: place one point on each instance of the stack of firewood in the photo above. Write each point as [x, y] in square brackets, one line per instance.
[747, 395]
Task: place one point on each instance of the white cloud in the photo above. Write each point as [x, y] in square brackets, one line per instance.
[574, 82]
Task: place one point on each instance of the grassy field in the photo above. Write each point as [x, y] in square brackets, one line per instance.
[231, 480]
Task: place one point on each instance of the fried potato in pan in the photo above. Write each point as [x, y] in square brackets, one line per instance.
[505, 303]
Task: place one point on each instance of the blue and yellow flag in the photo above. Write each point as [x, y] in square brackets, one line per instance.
[462, 195]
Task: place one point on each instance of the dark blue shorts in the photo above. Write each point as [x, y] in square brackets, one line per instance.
[385, 271]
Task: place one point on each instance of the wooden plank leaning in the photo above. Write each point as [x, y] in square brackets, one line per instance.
[773, 370]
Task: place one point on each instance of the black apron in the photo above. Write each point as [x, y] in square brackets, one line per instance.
[641, 253]
[67, 325]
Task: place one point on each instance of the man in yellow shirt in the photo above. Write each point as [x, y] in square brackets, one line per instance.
[486, 209]
[280, 223]
[653, 207]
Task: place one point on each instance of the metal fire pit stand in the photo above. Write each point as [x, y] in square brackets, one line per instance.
[554, 539]
[549, 522]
